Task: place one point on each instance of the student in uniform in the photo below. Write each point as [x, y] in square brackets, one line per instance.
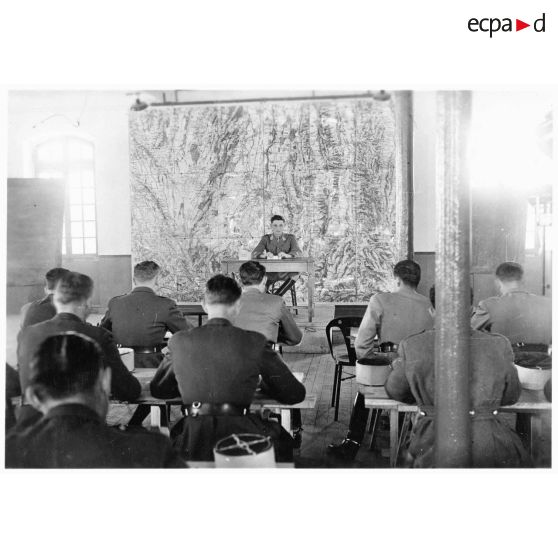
[69, 384]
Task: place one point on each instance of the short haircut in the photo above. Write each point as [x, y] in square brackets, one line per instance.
[432, 294]
[73, 287]
[509, 271]
[277, 218]
[251, 273]
[221, 289]
[145, 271]
[408, 271]
[54, 275]
[65, 364]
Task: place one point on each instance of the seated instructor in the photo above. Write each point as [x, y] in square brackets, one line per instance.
[215, 369]
[69, 384]
[392, 317]
[280, 245]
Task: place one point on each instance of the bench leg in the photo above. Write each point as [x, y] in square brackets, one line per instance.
[338, 393]
[393, 436]
[374, 424]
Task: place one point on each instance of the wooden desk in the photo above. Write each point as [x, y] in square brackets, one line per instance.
[299, 265]
[192, 310]
[531, 403]
[260, 401]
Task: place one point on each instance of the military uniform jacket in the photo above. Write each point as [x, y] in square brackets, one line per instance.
[220, 363]
[521, 316]
[124, 385]
[392, 316]
[267, 314]
[38, 311]
[285, 243]
[141, 318]
[74, 436]
[493, 382]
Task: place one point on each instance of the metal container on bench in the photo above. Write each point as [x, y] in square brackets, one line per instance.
[373, 371]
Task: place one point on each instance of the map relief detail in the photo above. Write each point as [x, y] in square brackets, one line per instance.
[205, 180]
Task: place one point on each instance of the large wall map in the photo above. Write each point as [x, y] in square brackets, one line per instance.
[205, 180]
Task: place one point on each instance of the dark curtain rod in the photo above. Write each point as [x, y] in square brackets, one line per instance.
[368, 95]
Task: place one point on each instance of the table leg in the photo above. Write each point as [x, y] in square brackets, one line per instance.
[155, 416]
[199, 320]
[535, 435]
[310, 293]
[286, 420]
[393, 435]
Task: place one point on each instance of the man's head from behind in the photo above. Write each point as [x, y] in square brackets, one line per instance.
[407, 272]
[222, 295]
[72, 293]
[508, 276]
[252, 274]
[69, 368]
[52, 277]
[277, 225]
[146, 273]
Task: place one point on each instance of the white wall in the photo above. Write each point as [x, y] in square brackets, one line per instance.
[37, 115]
[424, 170]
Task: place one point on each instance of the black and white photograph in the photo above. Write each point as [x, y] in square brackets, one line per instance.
[307, 279]
[278, 278]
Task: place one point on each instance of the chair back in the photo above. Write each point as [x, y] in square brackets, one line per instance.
[344, 324]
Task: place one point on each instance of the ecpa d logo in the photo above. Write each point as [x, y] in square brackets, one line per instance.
[493, 25]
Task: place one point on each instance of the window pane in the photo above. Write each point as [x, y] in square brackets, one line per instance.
[88, 196]
[77, 229]
[50, 174]
[90, 246]
[75, 197]
[75, 213]
[50, 152]
[63, 238]
[74, 179]
[87, 178]
[89, 228]
[77, 245]
[74, 150]
[86, 151]
[89, 213]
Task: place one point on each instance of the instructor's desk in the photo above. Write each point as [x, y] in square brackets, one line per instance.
[531, 403]
[260, 401]
[298, 265]
[192, 310]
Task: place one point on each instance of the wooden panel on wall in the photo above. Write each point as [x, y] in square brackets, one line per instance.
[498, 231]
[35, 215]
[115, 277]
[112, 275]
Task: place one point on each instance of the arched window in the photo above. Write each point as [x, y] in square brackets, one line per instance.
[73, 160]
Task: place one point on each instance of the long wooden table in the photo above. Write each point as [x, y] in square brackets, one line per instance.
[260, 400]
[531, 403]
[298, 265]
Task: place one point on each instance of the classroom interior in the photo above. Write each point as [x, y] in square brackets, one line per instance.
[100, 180]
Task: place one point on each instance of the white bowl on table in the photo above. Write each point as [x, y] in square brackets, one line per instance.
[533, 378]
